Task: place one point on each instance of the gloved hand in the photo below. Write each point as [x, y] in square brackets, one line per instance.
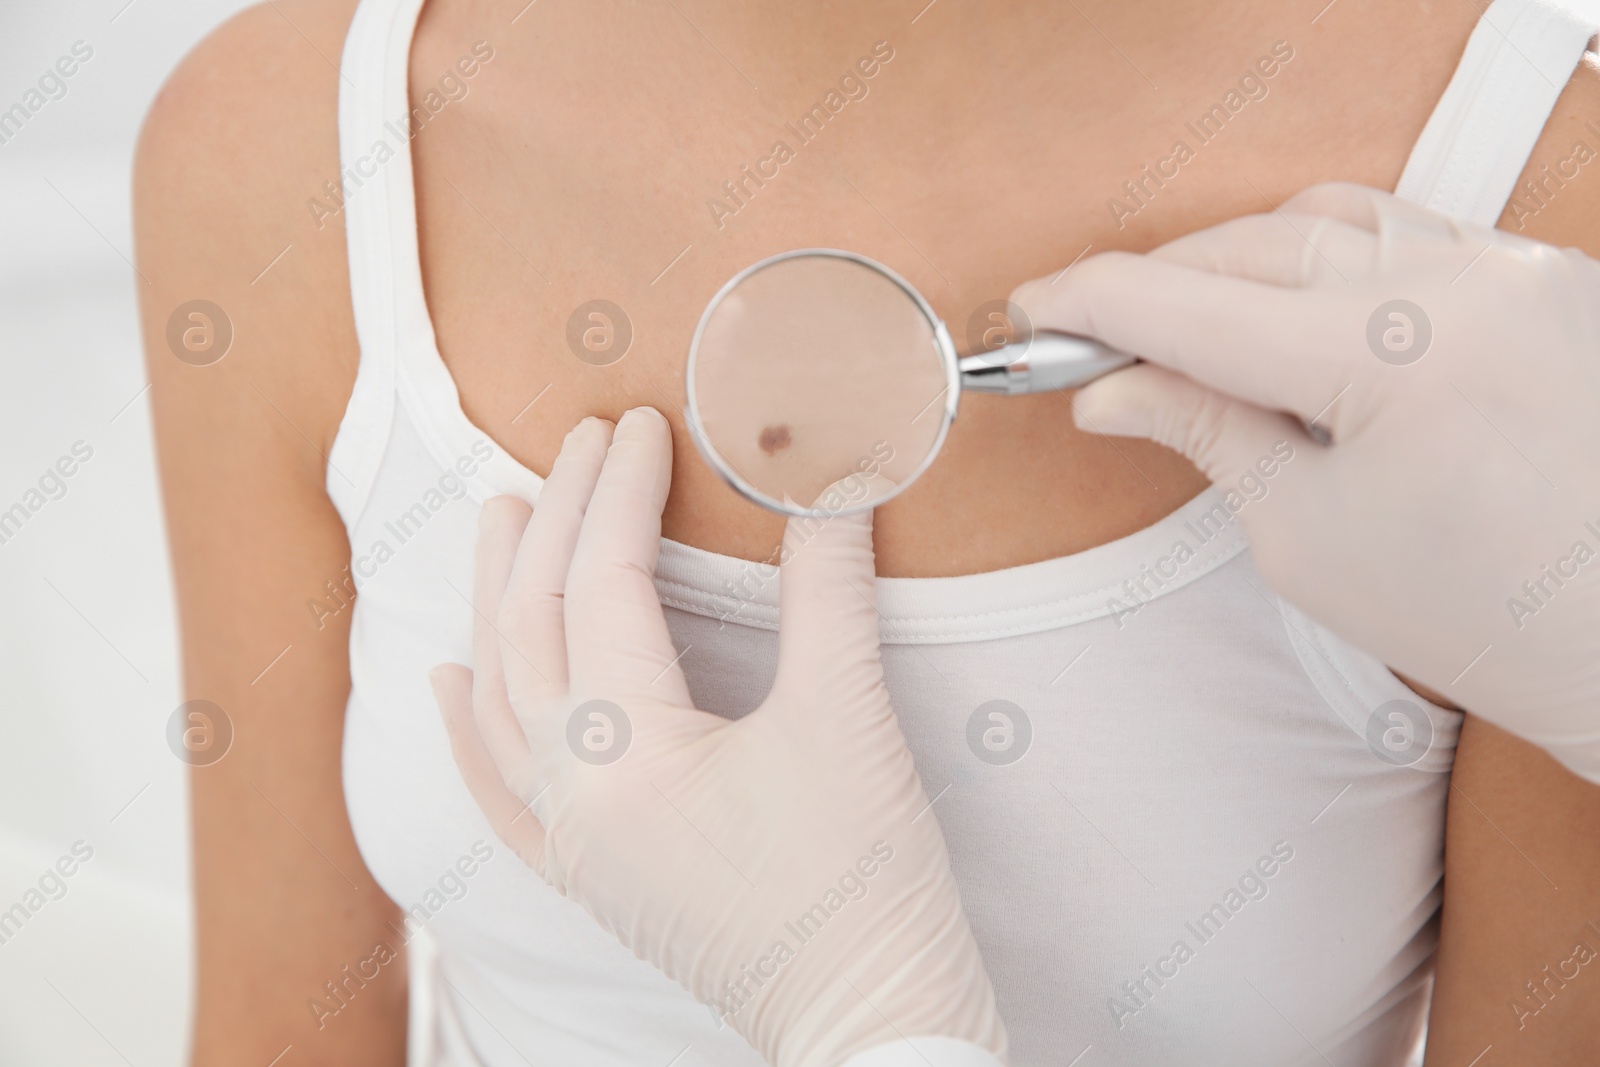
[785, 868]
[1452, 528]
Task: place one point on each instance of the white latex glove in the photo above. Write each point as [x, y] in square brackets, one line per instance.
[786, 867]
[1453, 528]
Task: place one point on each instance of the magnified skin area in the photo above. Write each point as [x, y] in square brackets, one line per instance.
[815, 368]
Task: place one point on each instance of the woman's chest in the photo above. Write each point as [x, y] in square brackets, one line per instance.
[575, 220]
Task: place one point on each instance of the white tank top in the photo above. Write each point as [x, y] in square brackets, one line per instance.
[1218, 845]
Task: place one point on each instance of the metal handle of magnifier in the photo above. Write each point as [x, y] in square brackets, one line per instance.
[1047, 361]
[1053, 360]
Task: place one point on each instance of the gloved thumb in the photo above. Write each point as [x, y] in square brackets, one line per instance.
[827, 609]
[1222, 436]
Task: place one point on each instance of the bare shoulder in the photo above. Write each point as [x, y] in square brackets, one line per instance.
[229, 172]
[1557, 198]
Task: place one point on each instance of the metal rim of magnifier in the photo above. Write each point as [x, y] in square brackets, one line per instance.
[945, 349]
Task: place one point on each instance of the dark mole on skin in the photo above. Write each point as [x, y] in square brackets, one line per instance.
[774, 439]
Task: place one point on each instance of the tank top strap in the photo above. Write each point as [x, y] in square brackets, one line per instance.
[401, 373]
[1476, 143]
[371, 85]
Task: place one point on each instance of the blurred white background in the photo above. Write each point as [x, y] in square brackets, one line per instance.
[88, 652]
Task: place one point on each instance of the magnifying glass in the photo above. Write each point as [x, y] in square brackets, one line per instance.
[821, 383]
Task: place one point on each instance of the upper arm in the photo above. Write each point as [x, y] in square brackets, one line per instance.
[240, 137]
[1519, 953]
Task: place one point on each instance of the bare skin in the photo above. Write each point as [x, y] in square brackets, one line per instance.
[578, 167]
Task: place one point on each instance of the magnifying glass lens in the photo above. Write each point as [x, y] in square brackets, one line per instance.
[817, 384]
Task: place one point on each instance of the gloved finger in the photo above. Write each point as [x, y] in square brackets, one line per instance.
[1235, 335]
[618, 646]
[500, 526]
[512, 821]
[827, 612]
[531, 621]
[1222, 436]
[1290, 249]
[1366, 208]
